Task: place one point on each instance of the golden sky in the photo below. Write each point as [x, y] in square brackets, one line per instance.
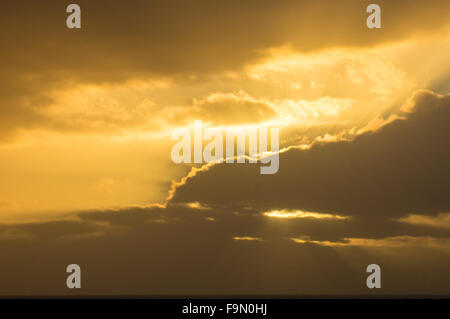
[87, 116]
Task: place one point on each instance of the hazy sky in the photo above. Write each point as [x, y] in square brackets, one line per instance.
[87, 177]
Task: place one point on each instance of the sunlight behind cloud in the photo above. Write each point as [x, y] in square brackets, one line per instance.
[291, 214]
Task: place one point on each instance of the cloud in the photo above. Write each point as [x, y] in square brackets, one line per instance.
[122, 39]
[401, 168]
[238, 253]
[119, 42]
[299, 214]
[442, 220]
[223, 109]
[247, 238]
[391, 242]
[212, 236]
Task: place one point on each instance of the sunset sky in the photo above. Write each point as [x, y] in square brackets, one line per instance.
[86, 175]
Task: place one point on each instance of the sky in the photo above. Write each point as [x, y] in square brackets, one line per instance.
[85, 147]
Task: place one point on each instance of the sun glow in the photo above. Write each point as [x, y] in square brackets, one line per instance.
[291, 214]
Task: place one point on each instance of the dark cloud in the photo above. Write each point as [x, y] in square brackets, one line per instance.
[121, 38]
[176, 250]
[399, 169]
